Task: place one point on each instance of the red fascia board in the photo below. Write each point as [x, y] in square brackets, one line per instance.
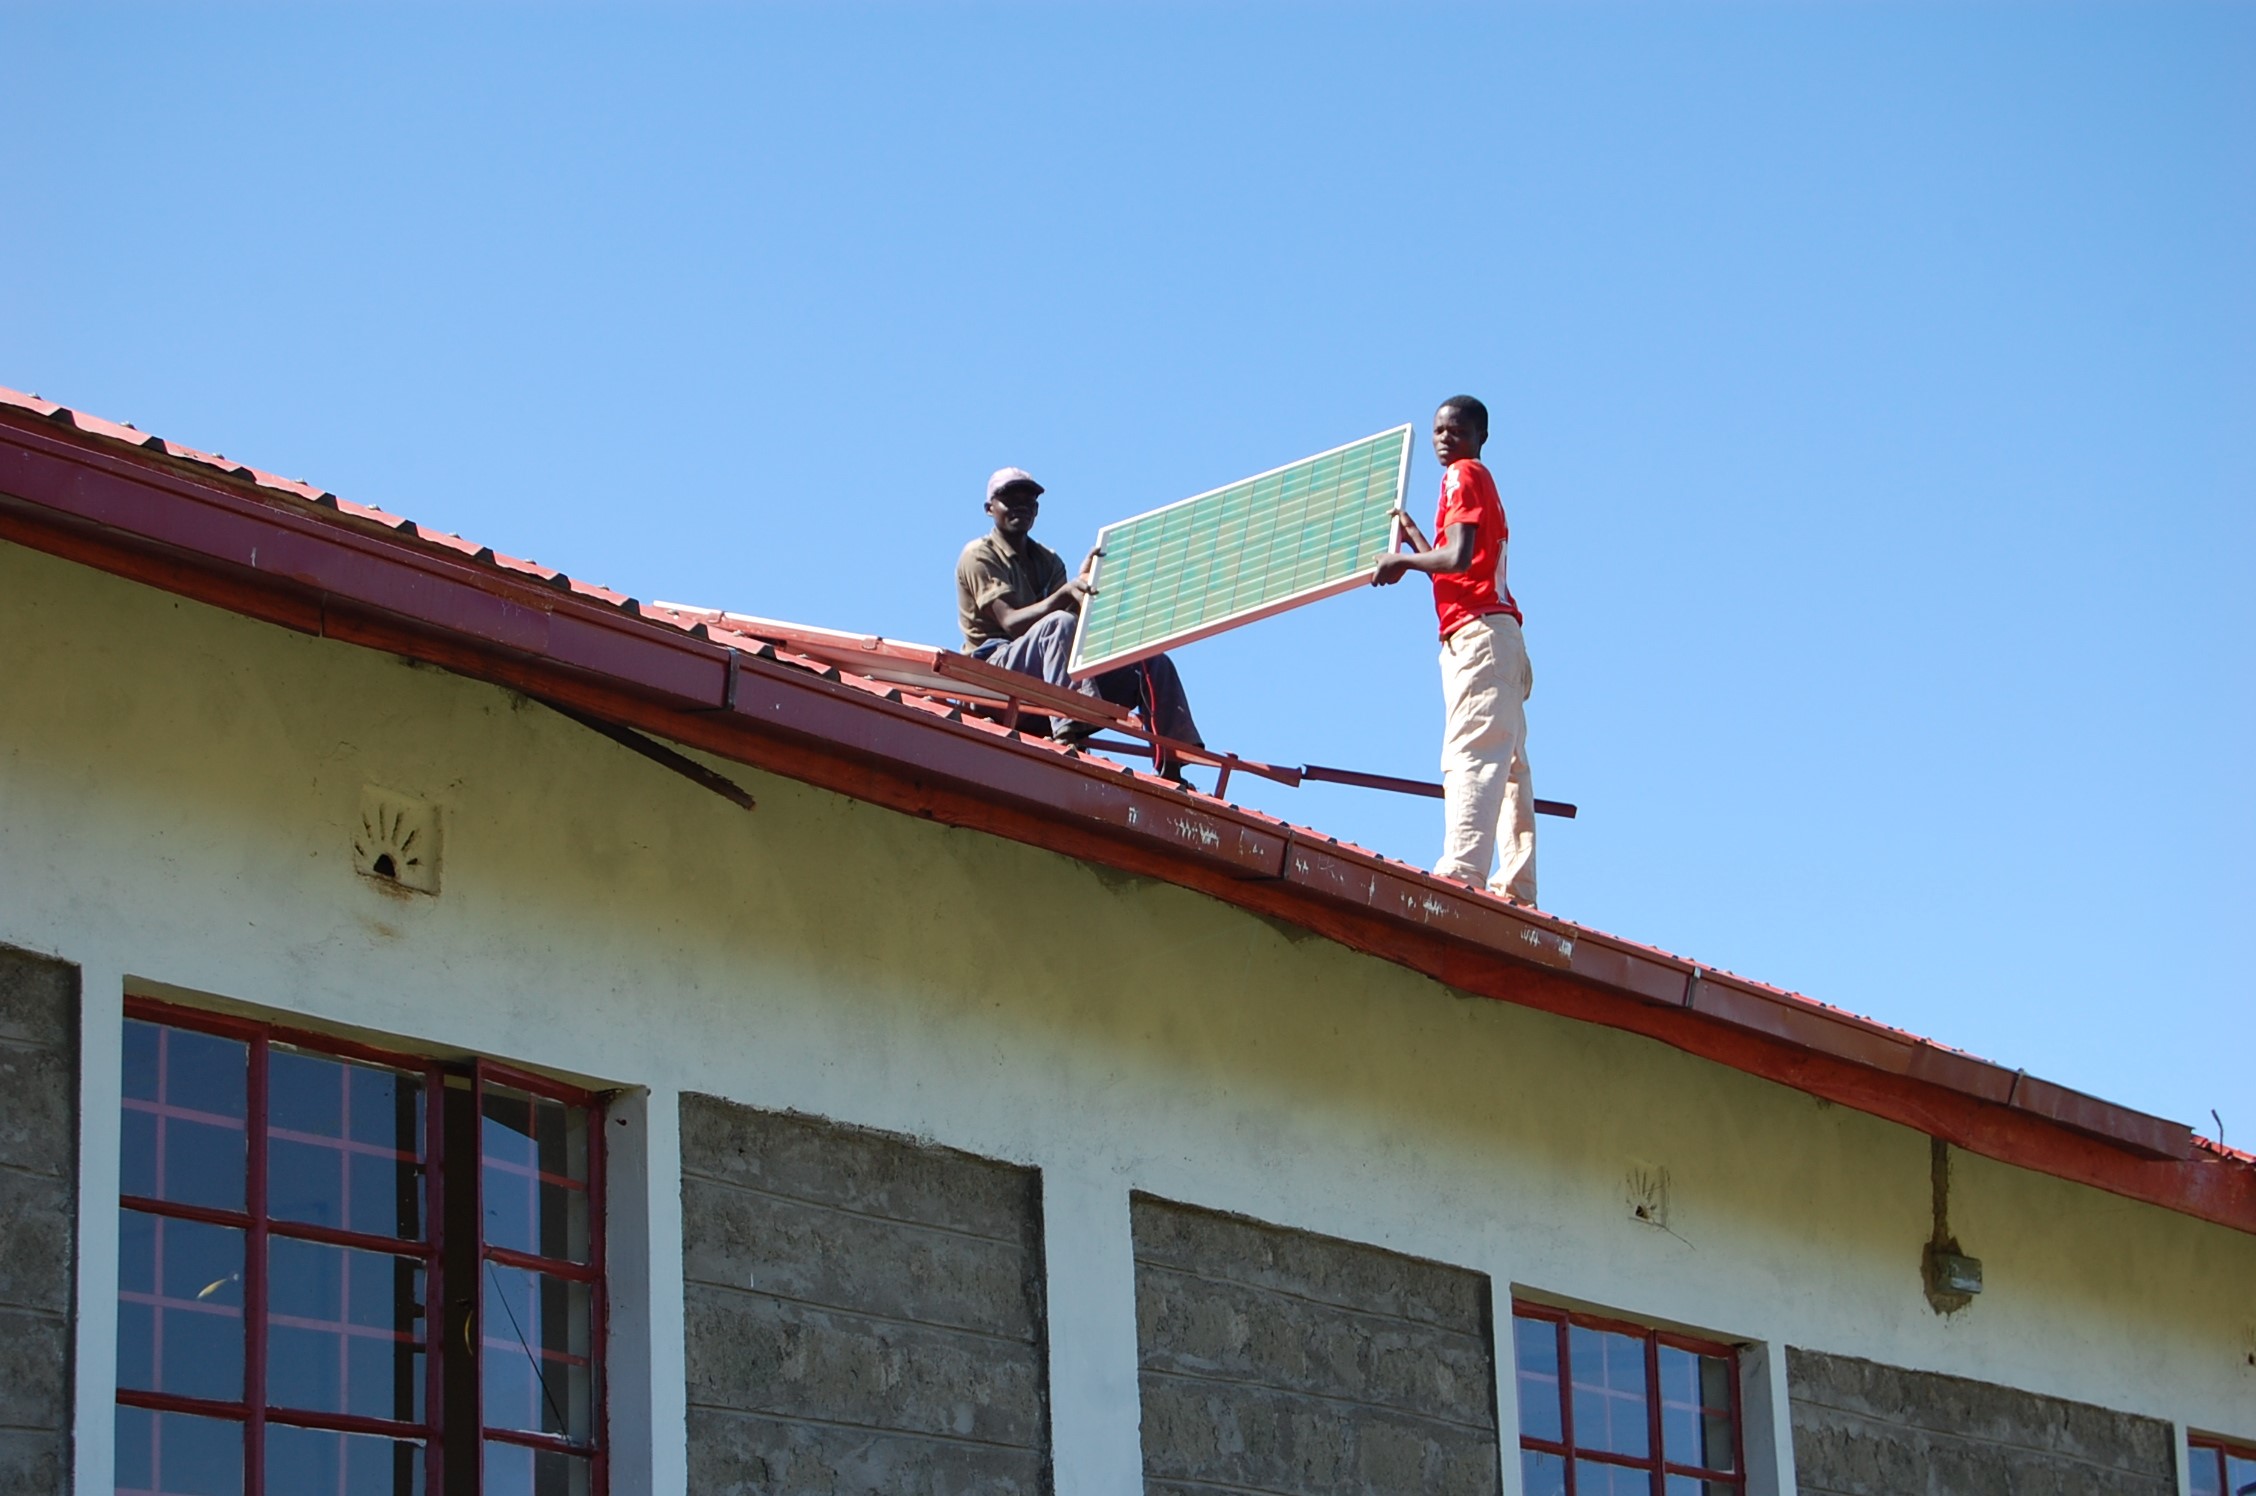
[1747, 1006]
[1618, 965]
[1881, 1048]
[2088, 1114]
[1363, 880]
[1957, 1071]
[807, 728]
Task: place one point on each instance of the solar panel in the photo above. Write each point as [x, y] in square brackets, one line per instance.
[1274, 541]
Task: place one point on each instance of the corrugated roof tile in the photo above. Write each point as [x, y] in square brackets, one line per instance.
[23, 400]
[451, 541]
[116, 431]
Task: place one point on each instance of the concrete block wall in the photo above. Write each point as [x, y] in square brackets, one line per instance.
[1863, 1429]
[38, 1218]
[1279, 1361]
[863, 1312]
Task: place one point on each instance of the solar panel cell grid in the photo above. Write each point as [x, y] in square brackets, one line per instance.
[1242, 552]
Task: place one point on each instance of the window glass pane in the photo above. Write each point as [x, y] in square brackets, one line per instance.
[317, 1461]
[513, 1470]
[2206, 1475]
[180, 1307]
[137, 1152]
[1680, 1377]
[1680, 1405]
[344, 1145]
[537, 1372]
[1696, 1395]
[138, 1076]
[1536, 1348]
[2240, 1475]
[1692, 1485]
[172, 1454]
[1595, 1479]
[1542, 1474]
[183, 1138]
[1719, 1384]
[1716, 1451]
[535, 1179]
[345, 1331]
[1609, 1391]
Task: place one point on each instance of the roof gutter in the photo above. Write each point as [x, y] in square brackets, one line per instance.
[152, 512]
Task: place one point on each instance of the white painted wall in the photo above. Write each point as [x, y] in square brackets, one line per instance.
[177, 793]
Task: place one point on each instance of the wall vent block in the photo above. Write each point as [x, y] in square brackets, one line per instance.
[397, 840]
[1645, 1190]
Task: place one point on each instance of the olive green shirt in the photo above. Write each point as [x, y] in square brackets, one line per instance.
[989, 569]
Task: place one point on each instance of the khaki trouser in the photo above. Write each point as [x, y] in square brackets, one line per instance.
[1488, 797]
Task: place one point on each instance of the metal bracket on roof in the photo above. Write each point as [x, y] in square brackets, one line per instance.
[1692, 988]
[730, 673]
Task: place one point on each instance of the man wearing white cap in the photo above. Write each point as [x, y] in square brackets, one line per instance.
[1018, 609]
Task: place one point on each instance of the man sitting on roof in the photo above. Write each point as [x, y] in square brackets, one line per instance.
[1018, 609]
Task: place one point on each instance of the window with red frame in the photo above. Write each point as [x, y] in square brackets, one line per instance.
[347, 1272]
[1614, 1409]
[2216, 1468]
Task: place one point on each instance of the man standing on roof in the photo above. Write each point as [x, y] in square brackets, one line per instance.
[1018, 610]
[1488, 797]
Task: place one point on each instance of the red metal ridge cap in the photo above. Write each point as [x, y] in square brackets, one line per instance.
[544, 629]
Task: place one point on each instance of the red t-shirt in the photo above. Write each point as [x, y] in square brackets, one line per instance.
[1468, 497]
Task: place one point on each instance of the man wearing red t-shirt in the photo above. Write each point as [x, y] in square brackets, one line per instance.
[1488, 797]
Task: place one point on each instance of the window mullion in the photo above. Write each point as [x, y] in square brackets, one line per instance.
[475, 1331]
[434, 1278]
[1700, 1472]
[350, 1423]
[599, 1367]
[1738, 1423]
[554, 1267]
[254, 1278]
[173, 1402]
[1566, 1401]
[1653, 1398]
[173, 1209]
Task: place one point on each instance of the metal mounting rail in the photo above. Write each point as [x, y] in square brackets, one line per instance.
[1006, 696]
[1426, 787]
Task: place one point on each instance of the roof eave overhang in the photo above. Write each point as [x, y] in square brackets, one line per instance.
[141, 513]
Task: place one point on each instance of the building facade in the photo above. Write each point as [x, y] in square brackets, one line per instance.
[416, 1090]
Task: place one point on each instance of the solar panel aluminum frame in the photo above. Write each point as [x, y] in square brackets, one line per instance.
[1081, 669]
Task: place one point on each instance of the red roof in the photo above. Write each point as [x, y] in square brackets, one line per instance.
[203, 526]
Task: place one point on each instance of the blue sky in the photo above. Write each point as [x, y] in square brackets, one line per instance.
[1875, 394]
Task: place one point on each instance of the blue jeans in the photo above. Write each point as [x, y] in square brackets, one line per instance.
[1150, 688]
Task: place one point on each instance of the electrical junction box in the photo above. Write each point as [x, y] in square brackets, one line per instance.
[1950, 1272]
